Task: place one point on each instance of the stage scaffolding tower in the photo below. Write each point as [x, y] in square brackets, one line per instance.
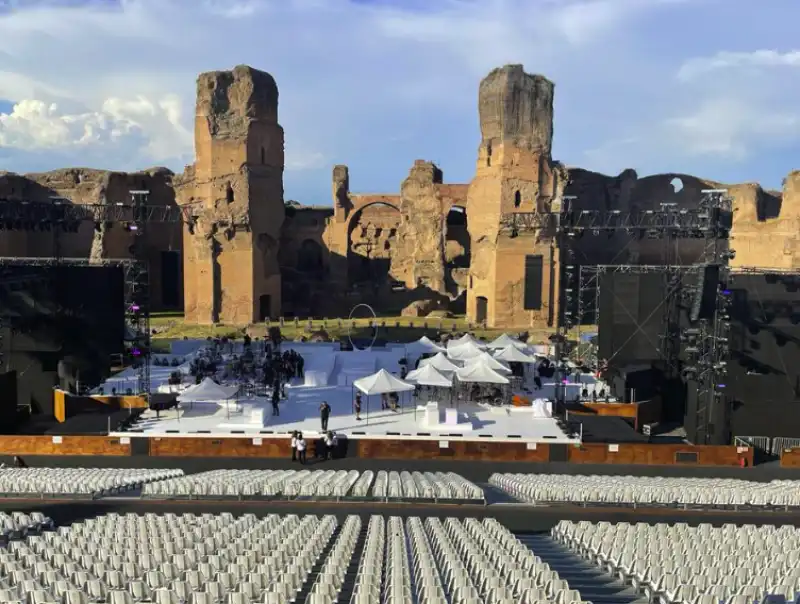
[705, 342]
[709, 222]
[61, 216]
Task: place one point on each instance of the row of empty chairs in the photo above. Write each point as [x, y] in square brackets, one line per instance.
[425, 485]
[17, 525]
[639, 490]
[694, 565]
[318, 484]
[78, 481]
[220, 559]
[175, 559]
[450, 561]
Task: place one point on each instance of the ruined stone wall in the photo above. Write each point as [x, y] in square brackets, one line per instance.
[306, 264]
[514, 174]
[87, 186]
[232, 272]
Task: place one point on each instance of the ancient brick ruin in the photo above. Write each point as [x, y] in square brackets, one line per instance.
[431, 246]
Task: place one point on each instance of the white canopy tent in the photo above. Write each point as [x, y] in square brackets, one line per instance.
[423, 346]
[467, 338]
[439, 362]
[512, 354]
[381, 382]
[429, 376]
[485, 358]
[464, 351]
[481, 374]
[504, 341]
[208, 391]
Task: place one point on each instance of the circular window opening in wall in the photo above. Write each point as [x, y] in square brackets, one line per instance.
[677, 185]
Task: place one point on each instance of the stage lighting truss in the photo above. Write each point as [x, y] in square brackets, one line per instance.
[65, 216]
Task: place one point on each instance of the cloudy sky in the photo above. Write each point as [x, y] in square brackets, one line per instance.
[707, 87]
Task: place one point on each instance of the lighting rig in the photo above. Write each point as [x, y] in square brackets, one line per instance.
[710, 222]
[61, 216]
[705, 341]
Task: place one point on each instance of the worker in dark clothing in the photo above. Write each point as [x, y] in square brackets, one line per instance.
[324, 414]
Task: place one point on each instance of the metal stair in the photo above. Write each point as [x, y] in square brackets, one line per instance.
[595, 585]
[346, 594]
[305, 590]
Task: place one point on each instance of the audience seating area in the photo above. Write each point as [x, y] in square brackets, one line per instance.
[17, 525]
[317, 484]
[646, 491]
[425, 485]
[694, 565]
[85, 482]
[220, 559]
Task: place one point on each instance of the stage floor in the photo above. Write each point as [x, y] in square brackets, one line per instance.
[301, 412]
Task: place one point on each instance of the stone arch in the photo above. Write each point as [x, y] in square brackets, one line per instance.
[368, 256]
[457, 239]
[310, 257]
[517, 199]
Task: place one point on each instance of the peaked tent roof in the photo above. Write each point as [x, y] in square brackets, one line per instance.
[423, 345]
[208, 391]
[439, 362]
[505, 341]
[382, 382]
[467, 338]
[512, 354]
[464, 351]
[428, 376]
[478, 372]
[485, 358]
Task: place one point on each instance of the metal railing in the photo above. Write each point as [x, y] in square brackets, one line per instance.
[771, 446]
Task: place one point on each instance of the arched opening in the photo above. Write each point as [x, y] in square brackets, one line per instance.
[677, 185]
[309, 257]
[264, 307]
[369, 251]
[489, 155]
[229, 193]
[517, 199]
[481, 309]
[457, 240]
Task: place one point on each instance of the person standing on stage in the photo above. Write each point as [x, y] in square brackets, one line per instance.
[357, 406]
[294, 445]
[301, 448]
[324, 414]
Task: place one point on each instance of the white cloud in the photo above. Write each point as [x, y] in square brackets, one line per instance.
[731, 129]
[376, 85]
[697, 67]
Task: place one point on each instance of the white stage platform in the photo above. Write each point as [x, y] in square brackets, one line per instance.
[329, 374]
[301, 412]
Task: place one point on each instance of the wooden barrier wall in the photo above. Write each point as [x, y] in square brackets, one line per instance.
[790, 458]
[645, 412]
[455, 450]
[66, 405]
[452, 449]
[660, 455]
[220, 447]
[64, 445]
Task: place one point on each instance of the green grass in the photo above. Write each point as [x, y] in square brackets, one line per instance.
[171, 326]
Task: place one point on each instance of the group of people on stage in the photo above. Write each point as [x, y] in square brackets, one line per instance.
[279, 369]
[324, 448]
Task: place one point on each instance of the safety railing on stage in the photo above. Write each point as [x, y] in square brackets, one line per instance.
[764, 444]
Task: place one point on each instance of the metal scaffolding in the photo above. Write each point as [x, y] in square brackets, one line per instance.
[62, 216]
[710, 222]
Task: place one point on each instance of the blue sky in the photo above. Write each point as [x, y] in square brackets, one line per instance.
[705, 87]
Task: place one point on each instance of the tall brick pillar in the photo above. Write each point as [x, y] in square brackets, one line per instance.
[231, 256]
